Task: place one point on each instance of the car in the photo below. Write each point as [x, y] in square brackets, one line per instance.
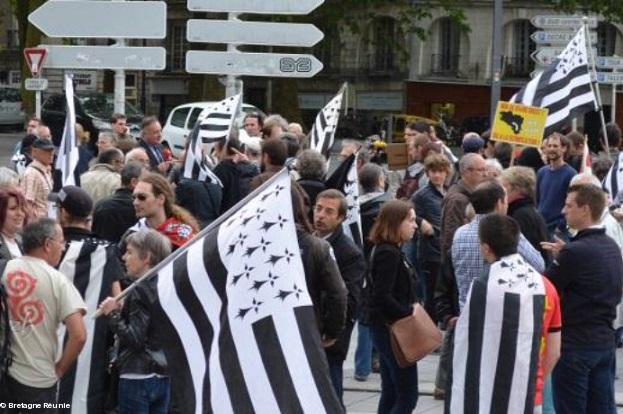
[11, 111]
[93, 112]
[183, 118]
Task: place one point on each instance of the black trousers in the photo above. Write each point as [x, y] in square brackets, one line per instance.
[17, 393]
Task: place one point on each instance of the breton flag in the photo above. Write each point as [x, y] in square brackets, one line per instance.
[216, 122]
[196, 166]
[243, 335]
[564, 88]
[92, 266]
[68, 155]
[613, 182]
[497, 340]
[323, 130]
[345, 179]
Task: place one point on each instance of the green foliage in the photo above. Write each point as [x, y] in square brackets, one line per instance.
[612, 10]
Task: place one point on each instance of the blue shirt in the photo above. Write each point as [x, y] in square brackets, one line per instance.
[551, 192]
[468, 261]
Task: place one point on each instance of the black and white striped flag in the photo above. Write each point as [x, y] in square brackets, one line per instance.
[92, 266]
[243, 333]
[216, 122]
[564, 88]
[345, 179]
[613, 182]
[68, 154]
[323, 130]
[196, 166]
[497, 340]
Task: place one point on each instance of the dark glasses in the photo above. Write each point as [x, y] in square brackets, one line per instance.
[140, 197]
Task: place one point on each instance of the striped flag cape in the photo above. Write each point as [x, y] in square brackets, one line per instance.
[196, 166]
[613, 182]
[565, 88]
[68, 154]
[497, 339]
[215, 123]
[323, 130]
[345, 179]
[243, 336]
[92, 266]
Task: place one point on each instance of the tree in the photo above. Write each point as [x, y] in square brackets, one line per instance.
[611, 10]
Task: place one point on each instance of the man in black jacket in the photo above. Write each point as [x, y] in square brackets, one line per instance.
[587, 274]
[329, 212]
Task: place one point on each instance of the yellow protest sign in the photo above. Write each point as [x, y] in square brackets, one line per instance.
[519, 124]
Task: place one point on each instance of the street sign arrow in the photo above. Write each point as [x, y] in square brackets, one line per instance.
[252, 33]
[558, 37]
[609, 62]
[255, 6]
[546, 55]
[610, 78]
[252, 64]
[105, 57]
[98, 18]
[562, 21]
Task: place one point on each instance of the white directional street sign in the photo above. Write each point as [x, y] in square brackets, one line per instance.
[252, 64]
[609, 62]
[102, 18]
[255, 6]
[105, 57]
[610, 78]
[546, 55]
[35, 84]
[562, 22]
[558, 37]
[252, 33]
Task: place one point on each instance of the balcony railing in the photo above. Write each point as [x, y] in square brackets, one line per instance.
[445, 65]
[518, 67]
[365, 66]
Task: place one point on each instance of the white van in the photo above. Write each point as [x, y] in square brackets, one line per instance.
[183, 118]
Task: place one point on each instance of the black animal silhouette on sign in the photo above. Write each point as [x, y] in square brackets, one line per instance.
[512, 120]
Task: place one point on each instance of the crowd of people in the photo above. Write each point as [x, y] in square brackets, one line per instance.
[443, 230]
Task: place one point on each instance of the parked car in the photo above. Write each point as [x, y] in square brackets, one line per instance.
[183, 118]
[11, 111]
[93, 112]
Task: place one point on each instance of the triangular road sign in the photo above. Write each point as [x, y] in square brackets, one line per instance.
[35, 56]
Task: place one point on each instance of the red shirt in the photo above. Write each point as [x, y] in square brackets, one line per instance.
[551, 323]
[176, 231]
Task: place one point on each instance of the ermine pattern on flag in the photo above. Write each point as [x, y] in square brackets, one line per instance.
[244, 336]
[323, 130]
[497, 341]
[86, 264]
[564, 88]
[68, 154]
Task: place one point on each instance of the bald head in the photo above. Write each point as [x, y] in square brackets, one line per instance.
[138, 155]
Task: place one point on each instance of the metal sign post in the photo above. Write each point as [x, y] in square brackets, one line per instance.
[35, 58]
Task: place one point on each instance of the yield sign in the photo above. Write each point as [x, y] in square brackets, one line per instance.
[35, 56]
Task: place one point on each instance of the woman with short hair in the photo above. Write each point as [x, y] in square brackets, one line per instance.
[392, 297]
[144, 384]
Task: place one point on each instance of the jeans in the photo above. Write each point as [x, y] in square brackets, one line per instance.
[429, 272]
[399, 386]
[445, 360]
[548, 397]
[16, 392]
[583, 381]
[337, 377]
[363, 352]
[144, 396]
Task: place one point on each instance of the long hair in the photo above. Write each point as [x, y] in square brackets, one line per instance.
[7, 193]
[160, 186]
[386, 229]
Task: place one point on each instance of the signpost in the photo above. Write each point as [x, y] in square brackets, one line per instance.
[255, 6]
[106, 19]
[35, 84]
[558, 37]
[253, 33]
[563, 22]
[609, 62]
[34, 58]
[118, 20]
[252, 64]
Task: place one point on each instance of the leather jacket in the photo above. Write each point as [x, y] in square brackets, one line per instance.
[140, 341]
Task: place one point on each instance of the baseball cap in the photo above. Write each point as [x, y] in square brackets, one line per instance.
[75, 200]
[43, 144]
[472, 143]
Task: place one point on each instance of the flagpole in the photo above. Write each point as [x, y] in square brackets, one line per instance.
[594, 84]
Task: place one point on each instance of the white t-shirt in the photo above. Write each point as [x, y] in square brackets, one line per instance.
[40, 299]
[13, 247]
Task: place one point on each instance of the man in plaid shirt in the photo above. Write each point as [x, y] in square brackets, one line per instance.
[488, 197]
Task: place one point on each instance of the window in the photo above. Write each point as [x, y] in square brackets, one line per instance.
[446, 61]
[178, 118]
[12, 39]
[385, 39]
[606, 39]
[520, 64]
[192, 119]
[176, 52]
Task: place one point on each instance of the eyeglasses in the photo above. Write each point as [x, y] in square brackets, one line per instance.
[139, 197]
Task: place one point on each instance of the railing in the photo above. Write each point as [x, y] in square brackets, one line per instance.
[518, 67]
[445, 65]
[366, 65]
